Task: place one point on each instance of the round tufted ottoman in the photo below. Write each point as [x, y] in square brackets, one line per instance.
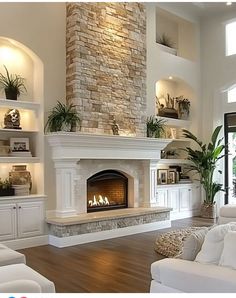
[170, 244]
[227, 214]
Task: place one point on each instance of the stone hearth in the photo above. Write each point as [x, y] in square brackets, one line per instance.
[103, 225]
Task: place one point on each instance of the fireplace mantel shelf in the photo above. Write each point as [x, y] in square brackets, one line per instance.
[75, 145]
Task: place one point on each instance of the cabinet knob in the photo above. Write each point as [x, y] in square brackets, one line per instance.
[19, 207]
[14, 207]
[189, 190]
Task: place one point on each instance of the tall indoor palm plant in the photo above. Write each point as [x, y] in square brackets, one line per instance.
[204, 162]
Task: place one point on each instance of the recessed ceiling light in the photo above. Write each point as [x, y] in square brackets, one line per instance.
[170, 77]
[228, 3]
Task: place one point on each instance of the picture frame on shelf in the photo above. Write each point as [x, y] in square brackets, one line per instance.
[172, 176]
[162, 176]
[19, 144]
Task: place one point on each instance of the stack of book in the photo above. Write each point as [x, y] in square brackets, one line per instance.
[184, 179]
[20, 154]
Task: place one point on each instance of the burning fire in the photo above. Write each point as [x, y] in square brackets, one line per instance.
[98, 202]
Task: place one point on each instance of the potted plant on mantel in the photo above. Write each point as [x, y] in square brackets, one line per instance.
[166, 44]
[204, 162]
[63, 117]
[155, 127]
[13, 85]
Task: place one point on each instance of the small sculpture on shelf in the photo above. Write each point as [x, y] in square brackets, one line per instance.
[12, 119]
[115, 128]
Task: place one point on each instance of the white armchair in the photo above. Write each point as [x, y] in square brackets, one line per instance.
[20, 286]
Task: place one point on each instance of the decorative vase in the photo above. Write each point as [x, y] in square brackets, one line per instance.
[20, 179]
[208, 211]
[183, 112]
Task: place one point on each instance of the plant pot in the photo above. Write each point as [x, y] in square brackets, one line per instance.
[11, 94]
[208, 210]
[7, 192]
[66, 127]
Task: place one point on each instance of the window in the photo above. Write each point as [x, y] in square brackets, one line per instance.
[231, 95]
[230, 30]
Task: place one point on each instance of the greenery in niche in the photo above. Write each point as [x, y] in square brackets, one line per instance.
[155, 127]
[63, 117]
[165, 40]
[12, 84]
[204, 162]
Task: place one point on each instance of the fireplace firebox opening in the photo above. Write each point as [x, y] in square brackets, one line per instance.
[107, 190]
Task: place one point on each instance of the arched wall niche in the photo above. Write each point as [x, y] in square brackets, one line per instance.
[21, 60]
[175, 87]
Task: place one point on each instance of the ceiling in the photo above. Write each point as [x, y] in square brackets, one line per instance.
[204, 9]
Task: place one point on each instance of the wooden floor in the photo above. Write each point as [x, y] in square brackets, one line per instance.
[120, 265]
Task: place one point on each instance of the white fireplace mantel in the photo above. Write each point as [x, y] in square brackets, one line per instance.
[71, 145]
[69, 148]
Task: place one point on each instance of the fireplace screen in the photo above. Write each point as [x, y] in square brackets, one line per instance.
[107, 190]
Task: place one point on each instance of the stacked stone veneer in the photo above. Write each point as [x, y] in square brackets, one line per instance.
[60, 230]
[106, 65]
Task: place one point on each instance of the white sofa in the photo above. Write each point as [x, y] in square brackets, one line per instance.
[207, 264]
[17, 277]
[177, 275]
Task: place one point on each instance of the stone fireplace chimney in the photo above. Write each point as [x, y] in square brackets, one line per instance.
[106, 65]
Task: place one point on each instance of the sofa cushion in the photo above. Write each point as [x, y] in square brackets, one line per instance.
[213, 244]
[193, 244]
[21, 271]
[9, 256]
[228, 257]
[228, 211]
[20, 286]
[193, 277]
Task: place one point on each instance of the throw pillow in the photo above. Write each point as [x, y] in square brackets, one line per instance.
[213, 244]
[228, 257]
[193, 244]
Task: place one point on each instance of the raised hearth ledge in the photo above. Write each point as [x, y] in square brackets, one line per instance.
[104, 215]
[76, 145]
[109, 224]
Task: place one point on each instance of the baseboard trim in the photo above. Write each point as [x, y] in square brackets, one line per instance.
[103, 235]
[26, 242]
[184, 214]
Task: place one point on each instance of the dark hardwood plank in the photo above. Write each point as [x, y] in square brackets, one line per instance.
[120, 265]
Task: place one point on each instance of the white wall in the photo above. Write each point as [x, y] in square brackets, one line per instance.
[41, 27]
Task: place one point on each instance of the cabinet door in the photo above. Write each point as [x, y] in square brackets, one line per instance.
[196, 197]
[30, 219]
[162, 197]
[185, 198]
[173, 199]
[8, 222]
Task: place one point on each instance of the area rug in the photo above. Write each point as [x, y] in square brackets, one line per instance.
[170, 244]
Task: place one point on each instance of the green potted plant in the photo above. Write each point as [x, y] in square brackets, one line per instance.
[155, 127]
[204, 162]
[166, 43]
[12, 84]
[63, 117]
[183, 107]
[6, 188]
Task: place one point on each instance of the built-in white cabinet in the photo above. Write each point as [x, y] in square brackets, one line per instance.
[184, 199]
[21, 219]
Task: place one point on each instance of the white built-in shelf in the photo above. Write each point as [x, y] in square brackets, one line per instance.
[182, 140]
[175, 122]
[13, 159]
[172, 161]
[32, 196]
[174, 185]
[27, 105]
[18, 130]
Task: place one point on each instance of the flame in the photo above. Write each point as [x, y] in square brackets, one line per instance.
[98, 202]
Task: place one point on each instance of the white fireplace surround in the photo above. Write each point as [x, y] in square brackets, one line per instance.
[78, 156]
